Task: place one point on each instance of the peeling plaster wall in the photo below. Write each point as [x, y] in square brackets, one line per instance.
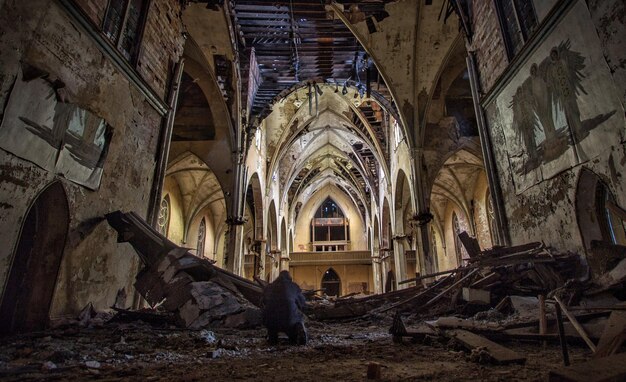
[546, 210]
[94, 265]
[210, 30]
[609, 18]
[481, 222]
[434, 40]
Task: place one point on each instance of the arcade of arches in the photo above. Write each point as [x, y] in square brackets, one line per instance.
[348, 142]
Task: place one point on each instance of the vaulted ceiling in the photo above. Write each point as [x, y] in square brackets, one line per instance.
[326, 108]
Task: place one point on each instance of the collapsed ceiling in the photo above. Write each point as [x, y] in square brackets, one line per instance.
[326, 108]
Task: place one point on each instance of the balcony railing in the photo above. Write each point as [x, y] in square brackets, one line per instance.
[331, 258]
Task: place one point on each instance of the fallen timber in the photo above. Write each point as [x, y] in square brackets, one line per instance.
[198, 292]
[526, 270]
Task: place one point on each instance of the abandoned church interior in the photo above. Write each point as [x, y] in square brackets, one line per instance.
[444, 180]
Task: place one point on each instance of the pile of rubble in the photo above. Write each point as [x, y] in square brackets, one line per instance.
[197, 293]
[528, 292]
[523, 292]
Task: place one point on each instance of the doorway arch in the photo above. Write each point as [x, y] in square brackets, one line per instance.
[36, 262]
[331, 283]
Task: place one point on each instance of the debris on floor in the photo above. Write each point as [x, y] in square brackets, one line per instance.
[197, 293]
[527, 293]
[522, 310]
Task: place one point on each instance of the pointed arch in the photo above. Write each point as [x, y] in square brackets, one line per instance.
[331, 283]
[254, 198]
[201, 238]
[36, 262]
[163, 218]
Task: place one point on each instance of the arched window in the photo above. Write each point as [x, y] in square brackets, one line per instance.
[329, 228]
[331, 283]
[458, 246]
[329, 209]
[491, 217]
[163, 221]
[201, 238]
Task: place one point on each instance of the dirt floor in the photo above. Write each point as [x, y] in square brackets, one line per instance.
[335, 352]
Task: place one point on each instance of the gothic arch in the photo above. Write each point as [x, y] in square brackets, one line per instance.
[36, 261]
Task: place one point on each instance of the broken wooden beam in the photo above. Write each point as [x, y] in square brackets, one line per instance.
[413, 298]
[448, 289]
[500, 354]
[562, 340]
[576, 324]
[419, 278]
[613, 335]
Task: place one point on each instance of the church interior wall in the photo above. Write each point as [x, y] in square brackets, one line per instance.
[41, 35]
[358, 236]
[176, 224]
[354, 278]
[539, 187]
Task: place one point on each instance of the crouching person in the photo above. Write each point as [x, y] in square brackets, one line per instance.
[283, 303]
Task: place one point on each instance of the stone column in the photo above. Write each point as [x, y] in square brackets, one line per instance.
[399, 259]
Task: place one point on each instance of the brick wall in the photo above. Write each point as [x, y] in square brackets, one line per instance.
[95, 9]
[487, 43]
[162, 43]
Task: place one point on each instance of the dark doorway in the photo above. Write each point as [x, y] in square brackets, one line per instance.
[28, 294]
[390, 285]
[331, 283]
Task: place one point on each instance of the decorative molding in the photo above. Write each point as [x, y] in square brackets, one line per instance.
[78, 17]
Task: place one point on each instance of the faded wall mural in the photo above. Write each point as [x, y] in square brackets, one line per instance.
[56, 136]
[560, 109]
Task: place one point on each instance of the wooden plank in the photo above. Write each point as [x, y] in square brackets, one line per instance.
[418, 278]
[445, 291]
[419, 295]
[499, 353]
[501, 251]
[489, 279]
[606, 369]
[470, 244]
[612, 337]
[576, 324]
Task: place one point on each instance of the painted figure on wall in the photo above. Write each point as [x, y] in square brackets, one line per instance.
[546, 114]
